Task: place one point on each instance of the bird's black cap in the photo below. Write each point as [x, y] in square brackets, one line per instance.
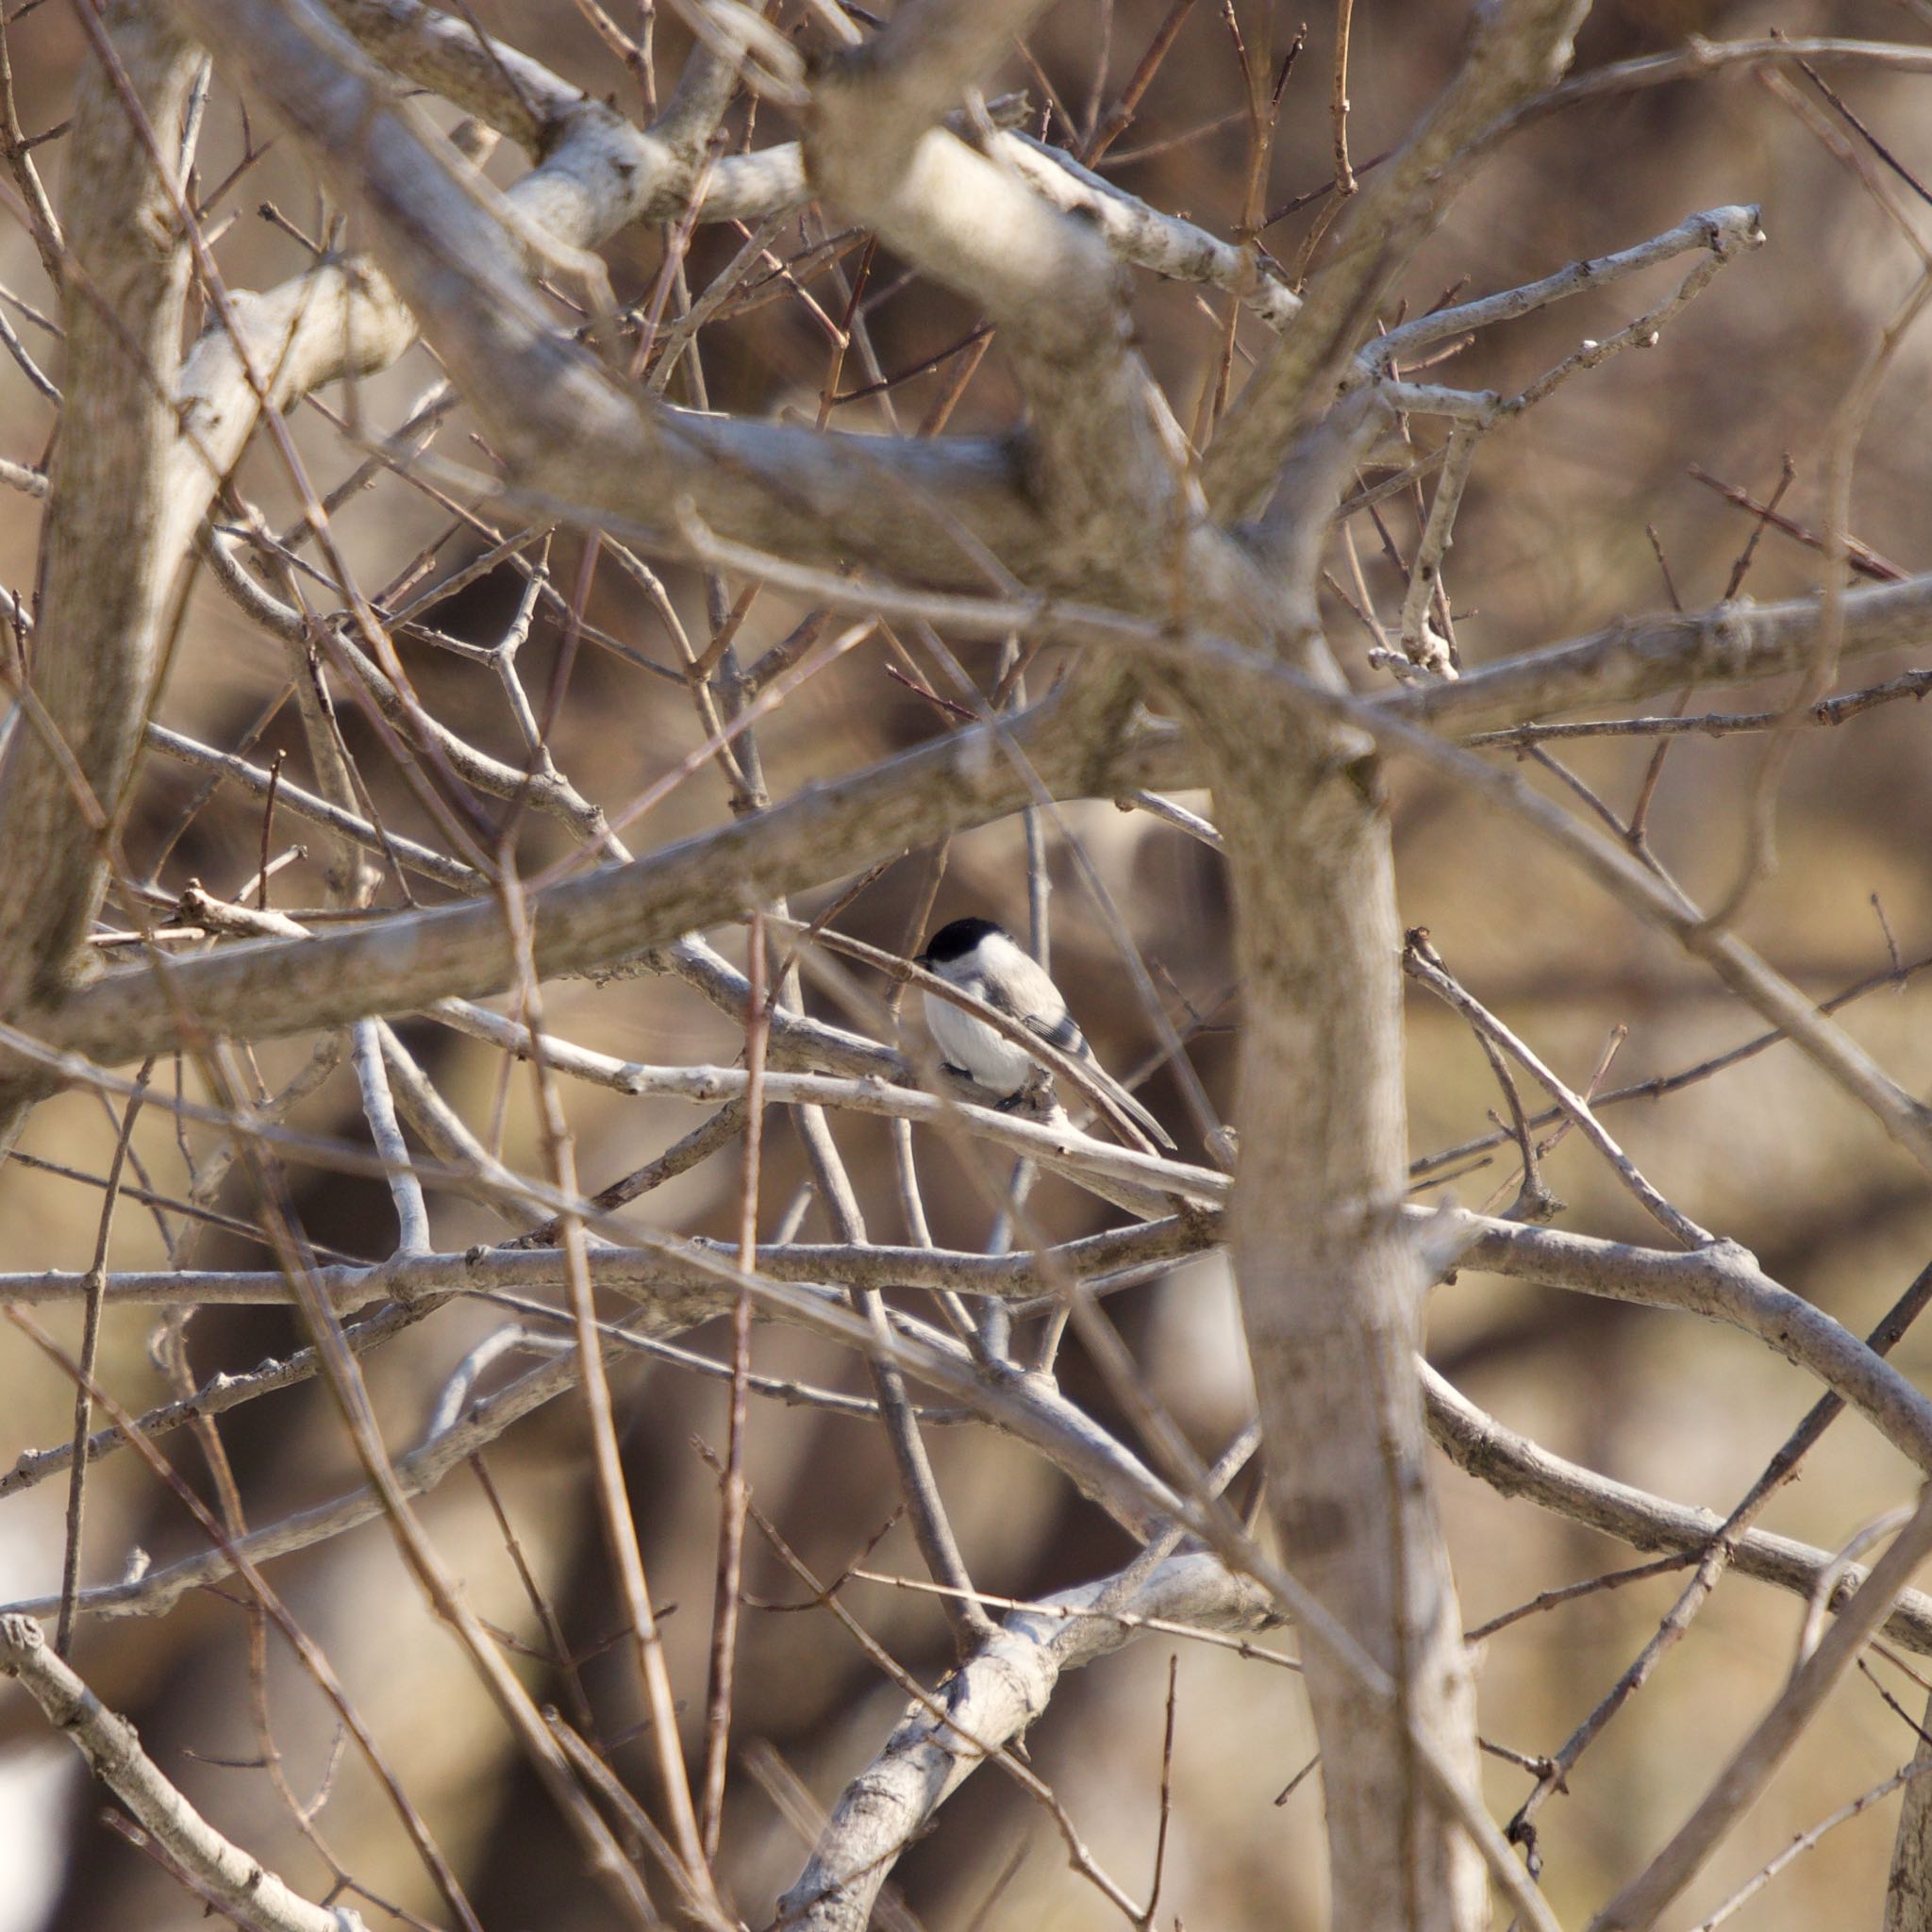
[955, 941]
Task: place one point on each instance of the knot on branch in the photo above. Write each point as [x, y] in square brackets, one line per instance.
[1732, 230]
[20, 1636]
[1728, 636]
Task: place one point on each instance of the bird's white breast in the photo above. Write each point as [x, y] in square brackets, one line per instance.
[964, 1042]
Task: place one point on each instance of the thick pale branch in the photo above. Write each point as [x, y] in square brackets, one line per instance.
[942, 510]
[991, 1700]
[227, 1873]
[928, 56]
[453, 247]
[491, 79]
[1909, 1885]
[404, 961]
[872, 147]
[1331, 1280]
[344, 319]
[812, 494]
[1105, 458]
[1724, 1282]
[1167, 244]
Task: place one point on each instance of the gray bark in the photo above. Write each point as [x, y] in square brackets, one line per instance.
[1331, 1292]
[1908, 1888]
[105, 563]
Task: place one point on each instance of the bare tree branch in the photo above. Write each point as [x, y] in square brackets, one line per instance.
[1518, 48]
[995, 1697]
[1732, 644]
[1512, 1465]
[230, 1876]
[404, 961]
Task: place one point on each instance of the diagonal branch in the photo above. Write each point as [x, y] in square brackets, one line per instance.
[999, 1693]
[1770, 1743]
[231, 1876]
[1512, 1465]
[1520, 48]
[455, 251]
[404, 961]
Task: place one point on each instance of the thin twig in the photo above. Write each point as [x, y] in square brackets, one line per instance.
[1421, 962]
[733, 1490]
[90, 1351]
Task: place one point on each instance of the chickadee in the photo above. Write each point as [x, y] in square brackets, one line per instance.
[980, 958]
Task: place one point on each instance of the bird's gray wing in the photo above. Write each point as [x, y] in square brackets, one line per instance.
[1062, 1033]
[1065, 1034]
[1025, 1008]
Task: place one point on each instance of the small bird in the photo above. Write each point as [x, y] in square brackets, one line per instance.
[980, 958]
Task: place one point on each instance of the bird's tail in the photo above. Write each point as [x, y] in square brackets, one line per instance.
[1131, 1108]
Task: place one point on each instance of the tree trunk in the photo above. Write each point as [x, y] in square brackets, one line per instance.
[1909, 1890]
[104, 582]
[1331, 1292]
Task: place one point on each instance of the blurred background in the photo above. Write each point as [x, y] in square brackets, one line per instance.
[1555, 540]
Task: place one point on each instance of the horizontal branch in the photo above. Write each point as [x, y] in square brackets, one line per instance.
[706, 1285]
[1699, 58]
[660, 1273]
[1146, 1185]
[680, 1280]
[1730, 643]
[682, 1284]
[1826, 712]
